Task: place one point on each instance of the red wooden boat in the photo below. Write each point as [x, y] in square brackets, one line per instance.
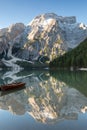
[12, 86]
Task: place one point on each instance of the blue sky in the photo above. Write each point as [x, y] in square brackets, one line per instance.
[12, 11]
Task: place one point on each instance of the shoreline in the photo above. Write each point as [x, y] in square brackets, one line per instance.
[83, 69]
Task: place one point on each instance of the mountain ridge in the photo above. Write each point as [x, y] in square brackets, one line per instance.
[47, 35]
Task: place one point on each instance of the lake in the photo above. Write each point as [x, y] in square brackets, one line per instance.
[51, 100]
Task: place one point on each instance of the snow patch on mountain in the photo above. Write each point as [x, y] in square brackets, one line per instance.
[46, 35]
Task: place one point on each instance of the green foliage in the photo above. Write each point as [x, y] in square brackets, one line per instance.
[29, 66]
[24, 64]
[75, 58]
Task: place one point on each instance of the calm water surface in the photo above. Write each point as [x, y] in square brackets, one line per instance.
[49, 101]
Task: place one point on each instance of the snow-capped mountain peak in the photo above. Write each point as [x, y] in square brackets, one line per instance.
[46, 35]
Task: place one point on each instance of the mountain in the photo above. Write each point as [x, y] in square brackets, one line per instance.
[76, 58]
[49, 35]
[46, 37]
[7, 35]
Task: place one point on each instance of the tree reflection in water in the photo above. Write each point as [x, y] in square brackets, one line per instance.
[48, 97]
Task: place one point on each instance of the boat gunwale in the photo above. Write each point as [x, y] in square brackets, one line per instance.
[11, 86]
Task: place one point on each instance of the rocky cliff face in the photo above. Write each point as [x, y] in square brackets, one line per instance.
[7, 35]
[46, 35]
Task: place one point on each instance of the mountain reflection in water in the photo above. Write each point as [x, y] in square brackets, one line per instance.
[48, 97]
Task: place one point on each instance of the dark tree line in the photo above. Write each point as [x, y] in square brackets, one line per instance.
[75, 58]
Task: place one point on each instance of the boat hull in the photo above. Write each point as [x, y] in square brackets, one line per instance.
[12, 86]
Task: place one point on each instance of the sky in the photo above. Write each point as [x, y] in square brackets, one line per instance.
[14, 11]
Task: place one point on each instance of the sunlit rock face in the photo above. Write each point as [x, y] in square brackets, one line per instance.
[46, 99]
[47, 35]
[50, 35]
[12, 31]
[7, 35]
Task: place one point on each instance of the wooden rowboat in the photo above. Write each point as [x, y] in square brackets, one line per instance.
[12, 86]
